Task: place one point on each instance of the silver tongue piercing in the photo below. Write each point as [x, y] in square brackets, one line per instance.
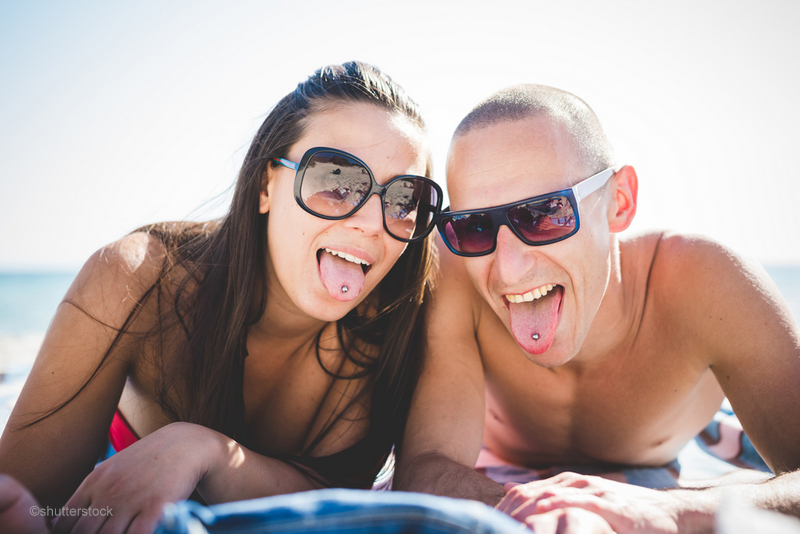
[345, 289]
[535, 337]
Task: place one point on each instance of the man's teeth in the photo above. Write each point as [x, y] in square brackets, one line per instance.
[348, 257]
[537, 293]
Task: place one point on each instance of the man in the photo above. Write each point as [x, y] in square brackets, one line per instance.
[552, 341]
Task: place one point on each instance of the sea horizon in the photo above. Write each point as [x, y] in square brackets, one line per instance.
[29, 298]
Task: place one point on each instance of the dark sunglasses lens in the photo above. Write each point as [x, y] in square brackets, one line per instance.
[469, 234]
[409, 205]
[544, 220]
[334, 185]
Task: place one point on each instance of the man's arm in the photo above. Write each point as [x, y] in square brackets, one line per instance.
[745, 333]
[781, 494]
[445, 425]
[632, 509]
[730, 315]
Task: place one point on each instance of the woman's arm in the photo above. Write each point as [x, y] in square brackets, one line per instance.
[19, 512]
[166, 466]
[52, 456]
[237, 473]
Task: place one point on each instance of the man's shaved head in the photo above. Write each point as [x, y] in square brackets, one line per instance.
[573, 114]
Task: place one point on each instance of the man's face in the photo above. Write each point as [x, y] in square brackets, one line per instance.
[511, 161]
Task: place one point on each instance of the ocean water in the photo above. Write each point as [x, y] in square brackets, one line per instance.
[787, 278]
[28, 302]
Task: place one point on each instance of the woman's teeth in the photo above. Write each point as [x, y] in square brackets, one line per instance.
[537, 293]
[348, 257]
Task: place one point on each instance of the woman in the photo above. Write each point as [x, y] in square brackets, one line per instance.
[270, 352]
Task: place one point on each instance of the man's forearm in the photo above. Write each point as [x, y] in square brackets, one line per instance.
[781, 494]
[437, 474]
[698, 506]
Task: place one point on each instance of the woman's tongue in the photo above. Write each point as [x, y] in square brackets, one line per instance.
[343, 279]
[536, 319]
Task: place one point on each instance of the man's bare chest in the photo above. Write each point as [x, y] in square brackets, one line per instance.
[636, 408]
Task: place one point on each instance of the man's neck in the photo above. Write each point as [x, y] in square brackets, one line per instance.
[616, 322]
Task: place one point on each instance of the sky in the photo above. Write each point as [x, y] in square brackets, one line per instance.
[114, 115]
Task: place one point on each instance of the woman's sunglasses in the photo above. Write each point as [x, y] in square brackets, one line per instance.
[332, 184]
[536, 221]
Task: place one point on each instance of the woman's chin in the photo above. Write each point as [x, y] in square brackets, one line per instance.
[326, 307]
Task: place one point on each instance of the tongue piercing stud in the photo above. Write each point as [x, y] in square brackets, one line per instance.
[535, 337]
[345, 289]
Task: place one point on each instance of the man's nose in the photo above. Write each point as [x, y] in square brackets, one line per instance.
[368, 218]
[512, 258]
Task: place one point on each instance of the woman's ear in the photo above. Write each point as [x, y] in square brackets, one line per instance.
[263, 202]
[623, 206]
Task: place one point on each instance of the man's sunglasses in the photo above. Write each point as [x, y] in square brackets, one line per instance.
[536, 221]
[332, 184]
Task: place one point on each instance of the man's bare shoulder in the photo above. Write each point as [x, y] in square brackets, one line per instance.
[697, 284]
[674, 247]
[723, 311]
[691, 261]
[706, 267]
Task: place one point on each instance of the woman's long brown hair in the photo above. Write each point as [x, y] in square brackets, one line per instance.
[222, 268]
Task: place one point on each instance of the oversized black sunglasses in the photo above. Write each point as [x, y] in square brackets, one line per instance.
[537, 221]
[332, 184]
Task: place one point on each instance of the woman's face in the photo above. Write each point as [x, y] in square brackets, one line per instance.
[305, 267]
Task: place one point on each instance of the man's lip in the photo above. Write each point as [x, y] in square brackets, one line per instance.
[529, 295]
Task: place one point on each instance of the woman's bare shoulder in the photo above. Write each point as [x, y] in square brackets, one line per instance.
[122, 274]
[119, 272]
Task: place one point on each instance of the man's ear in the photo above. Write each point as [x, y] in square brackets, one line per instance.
[622, 208]
[266, 180]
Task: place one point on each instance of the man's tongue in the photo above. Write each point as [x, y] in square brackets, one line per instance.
[536, 319]
[343, 279]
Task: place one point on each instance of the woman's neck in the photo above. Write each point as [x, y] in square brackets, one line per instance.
[283, 326]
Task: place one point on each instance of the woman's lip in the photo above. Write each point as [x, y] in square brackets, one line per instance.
[358, 253]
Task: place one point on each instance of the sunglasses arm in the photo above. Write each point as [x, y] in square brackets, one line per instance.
[588, 186]
[286, 163]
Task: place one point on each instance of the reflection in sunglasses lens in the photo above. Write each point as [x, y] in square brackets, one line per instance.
[409, 206]
[470, 233]
[545, 220]
[333, 184]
